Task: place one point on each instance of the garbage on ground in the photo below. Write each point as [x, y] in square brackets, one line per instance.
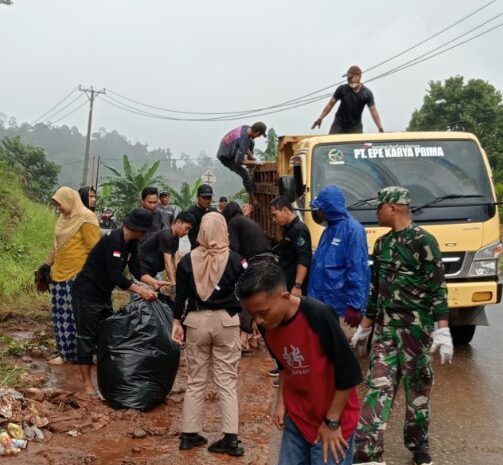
[24, 413]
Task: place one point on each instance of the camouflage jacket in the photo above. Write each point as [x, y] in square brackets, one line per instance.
[408, 284]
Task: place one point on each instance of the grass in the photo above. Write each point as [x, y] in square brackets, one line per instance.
[26, 231]
[10, 371]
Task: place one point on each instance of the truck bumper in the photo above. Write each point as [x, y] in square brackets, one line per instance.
[473, 294]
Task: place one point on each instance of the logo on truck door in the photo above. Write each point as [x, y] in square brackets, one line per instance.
[336, 157]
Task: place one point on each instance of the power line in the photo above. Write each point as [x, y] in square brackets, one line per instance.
[420, 59]
[297, 99]
[55, 106]
[429, 57]
[46, 126]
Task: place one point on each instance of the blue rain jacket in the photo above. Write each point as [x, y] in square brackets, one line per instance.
[339, 274]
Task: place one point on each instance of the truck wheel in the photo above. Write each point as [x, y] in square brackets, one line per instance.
[462, 335]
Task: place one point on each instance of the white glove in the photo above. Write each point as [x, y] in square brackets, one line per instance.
[442, 339]
[361, 335]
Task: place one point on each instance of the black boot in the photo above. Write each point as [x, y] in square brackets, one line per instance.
[229, 444]
[190, 440]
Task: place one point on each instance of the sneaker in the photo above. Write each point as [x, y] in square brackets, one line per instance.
[275, 383]
[224, 446]
[422, 458]
[273, 372]
[188, 441]
[369, 463]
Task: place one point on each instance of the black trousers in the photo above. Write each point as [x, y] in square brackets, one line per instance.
[336, 128]
[88, 315]
[241, 171]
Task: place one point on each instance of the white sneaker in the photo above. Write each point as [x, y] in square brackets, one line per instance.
[370, 463]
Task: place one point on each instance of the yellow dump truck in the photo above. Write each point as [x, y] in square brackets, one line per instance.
[450, 181]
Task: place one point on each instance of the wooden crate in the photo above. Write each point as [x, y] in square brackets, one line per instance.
[266, 188]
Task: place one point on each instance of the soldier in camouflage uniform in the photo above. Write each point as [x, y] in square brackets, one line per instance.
[408, 296]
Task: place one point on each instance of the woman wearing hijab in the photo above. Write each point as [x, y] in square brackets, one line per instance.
[206, 279]
[76, 233]
[88, 197]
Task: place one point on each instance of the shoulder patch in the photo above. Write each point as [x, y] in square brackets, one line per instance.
[301, 241]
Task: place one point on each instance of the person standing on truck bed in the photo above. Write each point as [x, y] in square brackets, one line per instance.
[236, 150]
[408, 296]
[353, 97]
[340, 275]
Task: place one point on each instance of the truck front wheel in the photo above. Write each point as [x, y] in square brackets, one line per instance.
[462, 335]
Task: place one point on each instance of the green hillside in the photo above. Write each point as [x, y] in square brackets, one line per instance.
[26, 230]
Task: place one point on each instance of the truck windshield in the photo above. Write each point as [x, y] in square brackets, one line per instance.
[428, 168]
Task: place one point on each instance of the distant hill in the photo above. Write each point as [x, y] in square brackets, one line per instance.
[65, 146]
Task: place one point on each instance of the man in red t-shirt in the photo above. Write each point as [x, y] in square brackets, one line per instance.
[317, 406]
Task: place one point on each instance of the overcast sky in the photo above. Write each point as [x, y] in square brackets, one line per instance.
[229, 55]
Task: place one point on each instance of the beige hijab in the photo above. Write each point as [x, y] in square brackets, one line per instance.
[68, 224]
[210, 258]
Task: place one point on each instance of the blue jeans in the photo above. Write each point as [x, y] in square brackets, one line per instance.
[295, 450]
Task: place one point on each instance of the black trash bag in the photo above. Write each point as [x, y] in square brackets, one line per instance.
[137, 359]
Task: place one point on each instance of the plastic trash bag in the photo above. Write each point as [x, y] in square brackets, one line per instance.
[136, 357]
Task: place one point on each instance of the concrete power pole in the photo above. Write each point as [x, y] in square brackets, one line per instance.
[91, 95]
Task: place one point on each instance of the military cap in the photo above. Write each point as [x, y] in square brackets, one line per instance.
[394, 194]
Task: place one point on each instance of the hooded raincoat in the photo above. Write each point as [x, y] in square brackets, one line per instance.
[340, 275]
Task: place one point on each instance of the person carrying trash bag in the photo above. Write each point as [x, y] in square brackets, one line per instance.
[137, 359]
[103, 270]
[206, 278]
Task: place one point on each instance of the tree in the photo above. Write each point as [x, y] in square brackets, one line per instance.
[185, 197]
[122, 192]
[271, 151]
[473, 107]
[38, 175]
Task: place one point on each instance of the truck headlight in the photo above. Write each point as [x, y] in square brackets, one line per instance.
[486, 261]
[491, 251]
[484, 268]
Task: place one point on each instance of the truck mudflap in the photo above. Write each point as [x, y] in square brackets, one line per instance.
[470, 316]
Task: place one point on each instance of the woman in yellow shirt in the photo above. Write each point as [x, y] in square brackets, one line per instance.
[76, 233]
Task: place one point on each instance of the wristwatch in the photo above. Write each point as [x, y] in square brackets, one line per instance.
[332, 423]
[298, 285]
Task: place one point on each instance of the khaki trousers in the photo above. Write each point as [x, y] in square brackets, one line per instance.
[212, 338]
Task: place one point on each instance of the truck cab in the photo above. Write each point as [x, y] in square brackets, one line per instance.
[453, 197]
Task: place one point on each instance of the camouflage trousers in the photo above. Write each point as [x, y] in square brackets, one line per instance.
[397, 354]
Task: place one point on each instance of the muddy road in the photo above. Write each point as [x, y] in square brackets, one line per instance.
[466, 428]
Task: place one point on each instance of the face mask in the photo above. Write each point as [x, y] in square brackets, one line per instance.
[354, 85]
[319, 217]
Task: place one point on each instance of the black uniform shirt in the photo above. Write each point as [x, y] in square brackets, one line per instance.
[295, 249]
[352, 104]
[104, 267]
[198, 213]
[247, 237]
[222, 298]
[153, 249]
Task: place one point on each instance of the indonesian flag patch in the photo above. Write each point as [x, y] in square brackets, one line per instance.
[244, 263]
[117, 253]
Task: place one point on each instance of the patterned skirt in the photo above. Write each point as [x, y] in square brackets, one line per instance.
[65, 330]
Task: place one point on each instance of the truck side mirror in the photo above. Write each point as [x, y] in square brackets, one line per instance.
[299, 184]
[287, 187]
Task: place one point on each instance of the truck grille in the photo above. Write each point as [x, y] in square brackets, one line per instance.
[453, 262]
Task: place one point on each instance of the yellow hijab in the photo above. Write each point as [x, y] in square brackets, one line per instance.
[68, 224]
[210, 258]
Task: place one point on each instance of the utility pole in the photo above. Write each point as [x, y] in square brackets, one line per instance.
[91, 95]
